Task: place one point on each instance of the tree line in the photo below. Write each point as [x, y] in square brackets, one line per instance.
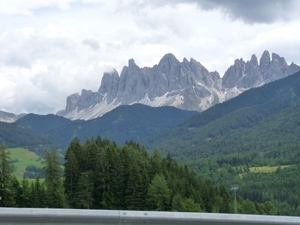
[101, 175]
[278, 185]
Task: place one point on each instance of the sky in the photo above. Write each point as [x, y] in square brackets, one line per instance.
[50, 49]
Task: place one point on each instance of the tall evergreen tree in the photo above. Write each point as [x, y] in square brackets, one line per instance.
[225, 206]
[71, 175]
[53, 173]
[137, 181]
[156, 162]
[7, 193]
[101, 179]
[26, 197]
[84, 195]
[159, 193]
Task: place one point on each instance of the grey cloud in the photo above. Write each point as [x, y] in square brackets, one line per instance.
[93, 44]
[37, 107]
[22, 52]
[17, 59]
[250, 11]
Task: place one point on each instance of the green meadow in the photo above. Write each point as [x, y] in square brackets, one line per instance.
[21, 159]
[266, 169]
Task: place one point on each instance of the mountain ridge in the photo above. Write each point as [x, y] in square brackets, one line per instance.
[124, 123]
[240, 124]
[186, 85]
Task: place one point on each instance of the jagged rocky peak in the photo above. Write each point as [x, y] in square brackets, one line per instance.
[168, 60]
[251, 74]
[72, 101]
[233, 74]
[131, 63]
[133, 84]
[253, 60]
[264, 62]
[186, 85]
[109, 86]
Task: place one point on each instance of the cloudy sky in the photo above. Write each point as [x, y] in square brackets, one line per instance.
[50, 49]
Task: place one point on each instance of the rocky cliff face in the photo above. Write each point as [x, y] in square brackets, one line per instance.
[187, 85]
[244, 75]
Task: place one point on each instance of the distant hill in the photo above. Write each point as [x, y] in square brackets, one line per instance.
[124, 123]
[13, 135]
[258, 119]
[42, 123]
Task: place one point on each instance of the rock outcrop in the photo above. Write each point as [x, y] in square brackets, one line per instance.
[244, 75]
[186, 85]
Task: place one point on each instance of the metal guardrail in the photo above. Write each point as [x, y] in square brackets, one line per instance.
[26, 216]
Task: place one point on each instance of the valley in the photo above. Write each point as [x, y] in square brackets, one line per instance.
[250, 140]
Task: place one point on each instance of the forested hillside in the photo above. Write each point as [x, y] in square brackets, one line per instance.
[122, 124]
[100, 175]
[251, 140]
[13, 135]
[262, 176]
[259, 119]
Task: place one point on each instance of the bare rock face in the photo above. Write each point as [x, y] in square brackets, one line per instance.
[233, 75]
[109, 86]
[245, 75]
[187, 85]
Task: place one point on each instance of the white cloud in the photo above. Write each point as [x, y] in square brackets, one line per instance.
[51, 49]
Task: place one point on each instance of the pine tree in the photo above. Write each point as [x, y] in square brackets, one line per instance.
[34, 196]
[26, 200]
[225, 201]
[177, 203]
[133, 196]
[84, 195]
[137, 180]
[17, 191]
[53, 172]
[159, 193]
[208, 196]
[101, 179]
[71, 174]
[7, 193]
[156, 162]
[116, 182]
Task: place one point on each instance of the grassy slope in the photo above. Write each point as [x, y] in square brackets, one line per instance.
[25, 158]
[266, 169]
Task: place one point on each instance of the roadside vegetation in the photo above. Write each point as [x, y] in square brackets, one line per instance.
[101, 175]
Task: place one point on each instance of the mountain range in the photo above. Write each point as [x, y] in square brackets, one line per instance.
[229, 142]
[186, 85]
[260, 119]
[124, 123]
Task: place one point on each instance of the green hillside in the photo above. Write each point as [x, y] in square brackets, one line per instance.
[42, 123]
[259, 119]
[251, 140]
[122, 124]
[262, 176]
[23, 158]
[13, 135]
